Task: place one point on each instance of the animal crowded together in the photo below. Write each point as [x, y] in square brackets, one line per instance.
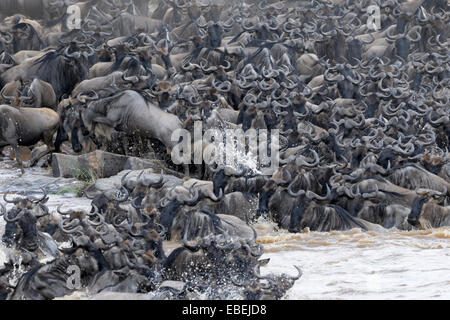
[359, 91]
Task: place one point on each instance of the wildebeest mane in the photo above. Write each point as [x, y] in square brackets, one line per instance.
[330, 217]
[412, 176]
[377, 178]
[375, 213]
[61, 72]
[54, 22]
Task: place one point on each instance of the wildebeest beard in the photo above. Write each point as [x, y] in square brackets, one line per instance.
[10, 234]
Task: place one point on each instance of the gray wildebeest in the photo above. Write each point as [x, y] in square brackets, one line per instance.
[130, 112]
[27, 126]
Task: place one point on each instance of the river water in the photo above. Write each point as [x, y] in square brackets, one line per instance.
[382, 264]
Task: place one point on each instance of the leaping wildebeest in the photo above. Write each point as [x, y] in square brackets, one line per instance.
[130, 112]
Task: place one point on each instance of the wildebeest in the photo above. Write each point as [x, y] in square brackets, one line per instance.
[361, 113]
[129, 111]
[27, 126]
[40, 94]
[62, 70]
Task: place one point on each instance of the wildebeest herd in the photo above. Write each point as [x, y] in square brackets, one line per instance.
[363, 114]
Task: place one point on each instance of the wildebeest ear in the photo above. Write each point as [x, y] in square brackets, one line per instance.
[45, 200]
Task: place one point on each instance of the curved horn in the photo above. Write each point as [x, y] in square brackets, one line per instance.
[290, 186]
[58, 209]
[75, 224]
[17, 216]
[5, 195]
[301, 162]
[300, 273]
[37, 200]
[311, 195]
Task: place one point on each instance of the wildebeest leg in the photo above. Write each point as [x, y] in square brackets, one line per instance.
[18, 158]
[202, 171]
[48, 140]
[126, 145]
[60, 138]
[186, 170]
[198, 171]
[143, 145]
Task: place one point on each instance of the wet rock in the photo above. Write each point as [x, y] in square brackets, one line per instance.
[47, 244]
[140, 164]
[64, 165]
[107, 279]
[99, 164]
[44, 161]
[38, 153]
[33, 179]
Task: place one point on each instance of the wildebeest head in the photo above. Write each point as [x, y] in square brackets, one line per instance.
[403, 41]
[424, 196]
[219, 181]
[108, 200]
[298, 210]
[171, 203]
[5, 57]
[73, 127]
[25, 215]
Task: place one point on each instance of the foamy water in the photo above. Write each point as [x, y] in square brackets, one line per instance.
[362, 265]
[386, 264]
